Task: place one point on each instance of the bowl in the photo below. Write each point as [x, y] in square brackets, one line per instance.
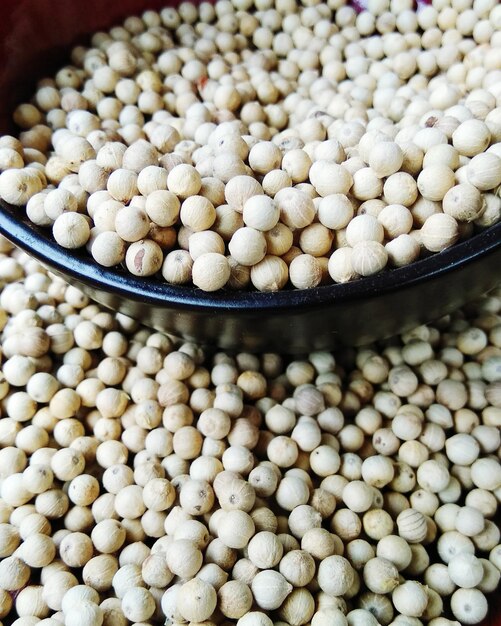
[35, 35]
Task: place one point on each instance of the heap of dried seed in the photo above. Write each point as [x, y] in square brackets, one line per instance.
[260, 144]
[145, 481]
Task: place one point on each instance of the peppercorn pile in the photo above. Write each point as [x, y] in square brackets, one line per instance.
[259, 145]
[145, 481]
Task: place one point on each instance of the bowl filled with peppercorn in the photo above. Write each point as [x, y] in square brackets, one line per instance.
[257, 177]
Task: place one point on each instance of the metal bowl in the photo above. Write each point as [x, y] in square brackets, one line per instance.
[34, 36]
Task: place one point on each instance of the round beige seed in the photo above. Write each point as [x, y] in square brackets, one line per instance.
[144, 258]
[210, 271]
[440, 231]
[247, 246]
[463, 202]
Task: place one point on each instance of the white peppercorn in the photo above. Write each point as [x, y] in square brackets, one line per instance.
[234, 599]
[235, 529]
[210, 271]
[410, 599]
[469, 605]
[335, 575]
[270, 589]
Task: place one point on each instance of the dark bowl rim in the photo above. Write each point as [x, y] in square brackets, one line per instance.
[78, 266]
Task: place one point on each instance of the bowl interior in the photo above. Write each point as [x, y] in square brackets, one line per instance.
[51, 27]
